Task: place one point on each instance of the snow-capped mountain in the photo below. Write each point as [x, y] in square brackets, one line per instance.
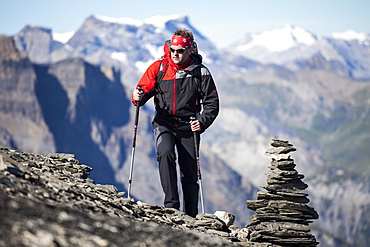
[290, 44]
[119, 42]
[285, 83]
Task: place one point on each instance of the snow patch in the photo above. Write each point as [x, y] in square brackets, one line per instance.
[161, 20]
[156, 51]
[121, 20]
[63, 37]
[142, 66]
[351, 35]
[120, 56]
[158, 21]
[280, 39]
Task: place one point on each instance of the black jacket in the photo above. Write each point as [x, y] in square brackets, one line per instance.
[182, 93]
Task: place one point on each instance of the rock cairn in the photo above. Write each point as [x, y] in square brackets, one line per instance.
[282, 215]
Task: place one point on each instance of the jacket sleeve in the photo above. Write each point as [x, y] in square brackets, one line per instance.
[147, 82]
[210, 99]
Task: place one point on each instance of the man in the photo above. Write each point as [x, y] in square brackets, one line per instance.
[179, 83]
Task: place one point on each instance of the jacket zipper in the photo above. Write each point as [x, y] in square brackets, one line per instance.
[174, 96]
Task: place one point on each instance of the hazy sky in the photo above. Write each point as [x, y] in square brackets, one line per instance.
[222, 21]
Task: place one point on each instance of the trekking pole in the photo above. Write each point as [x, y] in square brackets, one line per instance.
[196, 137]
[133, 145]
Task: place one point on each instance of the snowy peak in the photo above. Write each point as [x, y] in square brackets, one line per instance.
[121, 20]
[349, 35]
[279, 40]
[122, 41]
[160, 21]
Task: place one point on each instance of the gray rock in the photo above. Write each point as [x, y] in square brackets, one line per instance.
[293, 197]
[280, 143]
[283, 164]
[226, 217]
[2, 164]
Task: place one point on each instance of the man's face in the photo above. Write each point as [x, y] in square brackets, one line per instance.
[179, 55]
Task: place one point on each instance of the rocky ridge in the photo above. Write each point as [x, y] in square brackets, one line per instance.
[49, 200]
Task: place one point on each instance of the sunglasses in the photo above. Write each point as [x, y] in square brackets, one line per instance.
[180, 51]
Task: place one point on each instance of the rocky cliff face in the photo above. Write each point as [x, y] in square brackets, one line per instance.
[82, 107]
[21, 118]
[63, 106]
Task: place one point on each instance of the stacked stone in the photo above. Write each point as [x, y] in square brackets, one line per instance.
[282, 217]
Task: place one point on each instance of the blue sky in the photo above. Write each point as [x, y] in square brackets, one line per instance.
[223, 22]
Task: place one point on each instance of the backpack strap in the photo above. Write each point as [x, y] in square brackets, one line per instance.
[161, 72]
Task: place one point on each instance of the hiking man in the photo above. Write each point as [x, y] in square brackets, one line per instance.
[179, 83]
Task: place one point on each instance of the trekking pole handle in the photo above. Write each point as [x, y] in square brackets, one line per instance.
[193, 118]
[137, 107]
[140, 89]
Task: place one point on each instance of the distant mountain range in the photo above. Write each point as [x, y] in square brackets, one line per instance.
[285, 83]
[347, 53]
